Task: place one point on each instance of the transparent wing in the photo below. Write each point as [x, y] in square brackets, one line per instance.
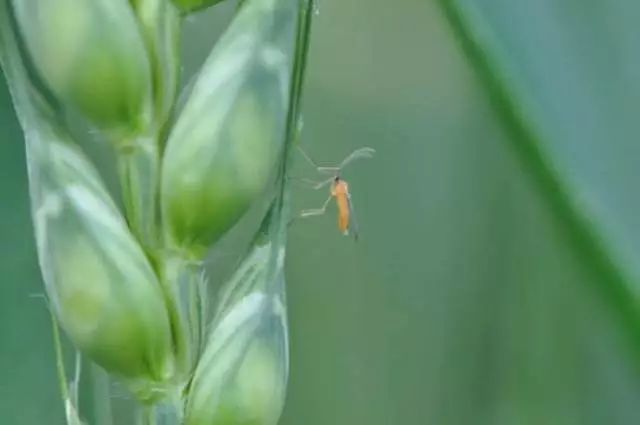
[362, 153]
[353, 220]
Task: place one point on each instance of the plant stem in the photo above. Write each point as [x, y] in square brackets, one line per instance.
[101, 396]
[191, 283]
[177, 316]
[139, 168]
[57, 345]
[305, 20]
[147, 415]
[185, 294]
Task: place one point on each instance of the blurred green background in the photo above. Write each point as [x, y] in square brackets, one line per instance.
[496, 277]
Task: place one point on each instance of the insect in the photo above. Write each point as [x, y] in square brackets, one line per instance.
[339, 190]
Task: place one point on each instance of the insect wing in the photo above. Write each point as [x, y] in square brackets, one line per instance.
[353, 221]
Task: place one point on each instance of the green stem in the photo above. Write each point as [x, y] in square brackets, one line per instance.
[617, 281]
[203, 308]
[169, 411]
[57, 345]
[278, 216]
[196, 288]
[147, 415]
[101, 396]
[305, 20]
[139, 169]
[75, 387]
[70, 406]
[186, 302]
[179, 326]
[161, 25]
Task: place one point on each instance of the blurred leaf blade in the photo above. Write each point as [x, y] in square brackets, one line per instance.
[618, 275]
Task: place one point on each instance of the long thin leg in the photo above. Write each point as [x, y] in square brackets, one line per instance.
[316, 211]
[321, 169]
[313, 163]
[313, 183]
[324, 183]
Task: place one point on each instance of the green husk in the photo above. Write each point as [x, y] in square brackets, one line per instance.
[103, 74]
[230, 134]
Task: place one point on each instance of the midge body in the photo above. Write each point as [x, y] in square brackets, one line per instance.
[339, 189]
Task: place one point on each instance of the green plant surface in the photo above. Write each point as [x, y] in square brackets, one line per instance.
[580, 147]
[495, 281]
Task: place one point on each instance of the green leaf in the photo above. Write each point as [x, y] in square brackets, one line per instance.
[578, 149]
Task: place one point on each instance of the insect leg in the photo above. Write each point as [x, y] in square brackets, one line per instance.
[316, 211]
[315, 165]
[314, 183]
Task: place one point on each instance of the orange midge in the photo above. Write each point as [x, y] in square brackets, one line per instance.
[340, 191]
